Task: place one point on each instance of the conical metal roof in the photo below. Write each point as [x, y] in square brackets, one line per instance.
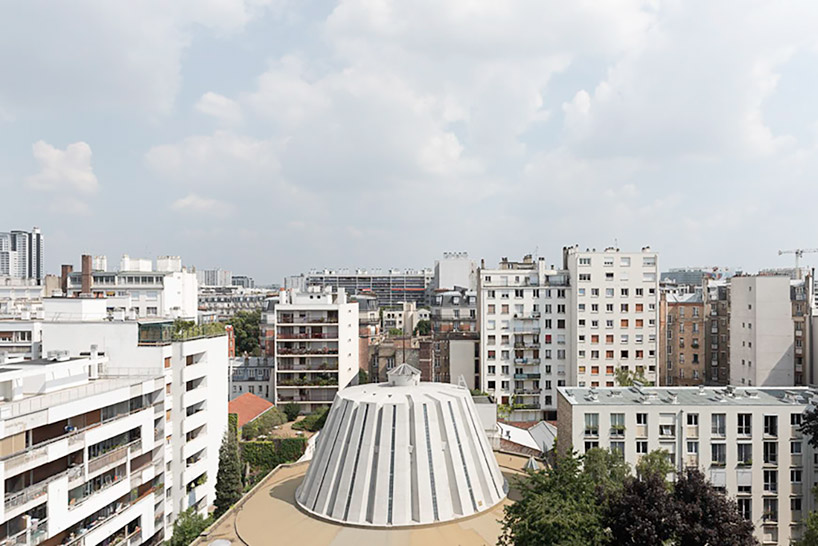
[401, 453]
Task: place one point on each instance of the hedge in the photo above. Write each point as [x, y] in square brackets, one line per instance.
[269, 454]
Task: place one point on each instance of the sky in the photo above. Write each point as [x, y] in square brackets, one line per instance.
[270, 137]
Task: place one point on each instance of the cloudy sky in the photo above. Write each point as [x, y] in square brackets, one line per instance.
[274, 136]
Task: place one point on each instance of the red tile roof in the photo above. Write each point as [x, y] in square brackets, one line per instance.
[248, 406]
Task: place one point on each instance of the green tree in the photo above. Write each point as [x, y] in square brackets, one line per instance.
[395, 332]
[605, 469]
[558, 506]
[707, 516]
[810, 537]
[228, 479]
[187, 527]
[625, 378]
[423, 328]
[641, 512]
[363, 377]
[246, 329]
[292, 410]
[657, 463]
[809, 427]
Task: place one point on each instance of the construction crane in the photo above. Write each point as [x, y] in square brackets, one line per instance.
[799, 253]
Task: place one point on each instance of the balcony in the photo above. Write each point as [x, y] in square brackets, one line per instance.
[526, 330]
[314, 336]
[524, 376]
[309, 382]
[299, 351]
[521, 345]
[194, 421]
[113, 456]
[28, 537]
[307, 319]
[314, 367]
[528, 392]
[23, 497]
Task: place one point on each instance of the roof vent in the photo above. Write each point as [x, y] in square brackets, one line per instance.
[403, 376]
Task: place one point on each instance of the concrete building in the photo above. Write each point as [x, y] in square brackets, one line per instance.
[193, 367]
[81, 453]
[391, 287]
[252, 374]
[430, 483]
[717, 339]
[223, 302]
[214, 277]
[682, 349]
[404, 317]
[761, 332]
[387, 353]
[243, 281]
[21, 338]
[21, 255]
[615, 314]
[316, 343]
[455, 271]
[746, 441]
[20, 298]
[525, 335]
[454, 311]
[143, 292]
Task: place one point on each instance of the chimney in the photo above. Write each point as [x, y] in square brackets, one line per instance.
[87, 264]
[65, 270]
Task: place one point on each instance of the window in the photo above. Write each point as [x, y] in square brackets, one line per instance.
[591, 424]
[795, 419]
[718, 454]
[617, 424]
[667, 430]
[770, 453]
[745, 508]
[641, 447]
[492, 355]
[591, 445]
[795, 448]
[745, 421]
[745, 454]
[618, 448]
[641, 418]
[492, 370]
[771, 481]
[770, 510]
[693, 448]
[795, 475]
[491, 385]
[771, 425]
[585, 277]
[491, 309]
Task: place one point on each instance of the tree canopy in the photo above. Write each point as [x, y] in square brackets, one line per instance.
[187, 527]
[595, 500]
[228, 480]
[246, 329]
[423, 328]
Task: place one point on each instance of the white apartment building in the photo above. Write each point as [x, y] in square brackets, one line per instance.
[81, 453]
[22, 338]
[614, 305]
[214, 277]
[144, 293]
[194, 370]
[761, 332]
[525, 335]
[316, 346]
[404, 317]
[252, 374]
[745, 441]
[21, 254]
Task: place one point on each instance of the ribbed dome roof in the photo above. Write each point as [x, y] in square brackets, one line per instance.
[401, 453]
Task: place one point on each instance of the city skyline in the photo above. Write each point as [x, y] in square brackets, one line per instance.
[299, 135]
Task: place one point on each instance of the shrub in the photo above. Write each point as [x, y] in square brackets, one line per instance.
[313, 422]
[265, 456]
[292, 410]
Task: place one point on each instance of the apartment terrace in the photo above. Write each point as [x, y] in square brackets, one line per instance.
[159, 333]
[305, 319]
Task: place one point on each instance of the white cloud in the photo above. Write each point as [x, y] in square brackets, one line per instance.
[202, 205]
[219, 107]
[66, 170]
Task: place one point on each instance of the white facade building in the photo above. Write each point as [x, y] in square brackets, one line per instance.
[214, 277]
[405, 317]
[144, 294]
[21, 338]
[745, 441]
[455, 270]
[525, 335]
[614, 305]
[21, 254]
[316, 346]
[194, 371]
[80, 457]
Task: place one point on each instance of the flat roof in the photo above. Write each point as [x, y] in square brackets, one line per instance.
[269, 510]
[687, 396]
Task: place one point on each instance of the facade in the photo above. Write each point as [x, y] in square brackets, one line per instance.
[254, 375]
[801, 291]
[456, 271]
[525, 335]
[82, 453]
[717, 339]
[315, 341]
[448, 473]
[404, 317]
[143, 294]
[682, 326]
[387, 353]
[21, 255]
[454, 311]
[20, 298]
[761, 332]
[243, 281]
[22, 338]
[224, 302]
[456, 355]
[746, 441]
[615, 305]
[391, 287]
[193, 366]
[214, 277]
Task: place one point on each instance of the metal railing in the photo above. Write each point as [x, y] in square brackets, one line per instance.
[37, 490]
[115, 455]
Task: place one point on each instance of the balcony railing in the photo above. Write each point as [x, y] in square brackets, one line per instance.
[308, 337]
[329, 351]
[117, 454]
[28, 537]
[37, 490]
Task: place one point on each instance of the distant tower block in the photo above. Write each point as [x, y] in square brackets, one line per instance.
[402, 453]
